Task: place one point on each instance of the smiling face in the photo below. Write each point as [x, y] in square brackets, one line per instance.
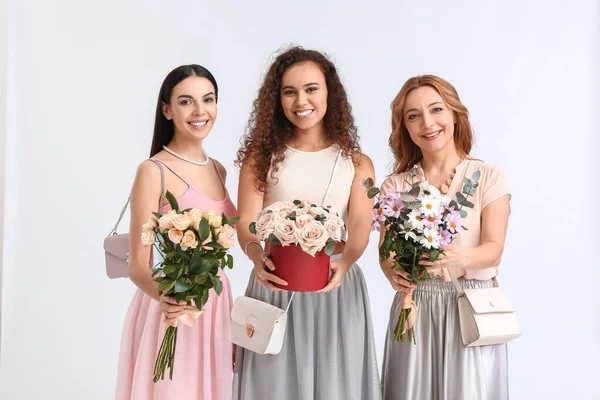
[192, 107]
[429, 121]
[304, 95]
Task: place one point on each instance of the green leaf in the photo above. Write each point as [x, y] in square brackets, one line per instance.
[476, 176]
[252, 228]
[204, 230]
[467, 181]
[204, 296]
[182, 252]
[157, 215]
[233, 221]
[201, 265]
[453, 204]
[468, 204]
[169, 269]
[292, 215]
[461, 198]
[297, 202]
[372, 192]
[186, 210]
[215, 245]
[229, 261]
[218, 285]
[166, 286]
[463, 213]
[273, 239]
[200, 279]
[330, 247]
[181, 286]
[172, 201]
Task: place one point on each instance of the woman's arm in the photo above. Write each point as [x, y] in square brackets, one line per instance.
[250, 203]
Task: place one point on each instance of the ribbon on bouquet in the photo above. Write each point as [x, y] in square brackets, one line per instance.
[189, 318]
[408, 303]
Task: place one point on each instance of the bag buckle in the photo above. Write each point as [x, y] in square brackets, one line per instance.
[249, 330]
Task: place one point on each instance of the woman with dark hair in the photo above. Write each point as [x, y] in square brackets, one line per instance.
[432, 139]
[185, 114]
[302, 143]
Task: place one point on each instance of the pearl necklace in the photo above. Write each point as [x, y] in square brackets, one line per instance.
[201, 163]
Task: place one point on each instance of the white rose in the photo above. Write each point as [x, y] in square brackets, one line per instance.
[207, 214]
[281, 206]
[175, 235]
[148, 238]
[265, 225]
[181, 222]
[334, 230]
[188, 241]
[303, 219]
[312, 237]
[315, 211]
[285, 230]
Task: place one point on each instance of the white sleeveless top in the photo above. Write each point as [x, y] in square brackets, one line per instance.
[321, 177]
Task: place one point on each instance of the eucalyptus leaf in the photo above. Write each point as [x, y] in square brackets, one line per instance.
[476, 176]
[372, 192]
[468, 204]
[415, 191]
[367, 183]
[297, 202]
[330, 247]
[252, 228]
[453, 204]
[461, 198]
[292, 215]
[463, 213]
[273, 239]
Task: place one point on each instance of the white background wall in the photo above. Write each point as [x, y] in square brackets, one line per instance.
[83, 81]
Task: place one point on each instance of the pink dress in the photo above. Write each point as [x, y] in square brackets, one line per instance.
[203, 358]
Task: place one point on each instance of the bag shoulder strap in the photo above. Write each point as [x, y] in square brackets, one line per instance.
[160, 201]
[288, 306]
[459, 288]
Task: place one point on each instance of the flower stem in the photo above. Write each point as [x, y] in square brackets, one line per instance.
[166, 355]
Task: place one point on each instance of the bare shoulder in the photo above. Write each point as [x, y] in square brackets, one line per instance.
[362, 161]
[221, 169]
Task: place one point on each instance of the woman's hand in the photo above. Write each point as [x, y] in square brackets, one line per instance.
[398, 278]
[262, 266]
[454, 256]
[340, 269]
[171, 309]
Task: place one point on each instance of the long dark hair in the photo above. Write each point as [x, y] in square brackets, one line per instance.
[268, 129]
[163, 128]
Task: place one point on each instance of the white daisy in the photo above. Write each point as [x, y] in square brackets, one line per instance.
[430, 205]
[415, 220]
[407, 231]
[431, 189]
[431, 238]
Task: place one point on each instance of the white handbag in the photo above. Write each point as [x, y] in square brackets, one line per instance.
[258, 326]
[486, 316]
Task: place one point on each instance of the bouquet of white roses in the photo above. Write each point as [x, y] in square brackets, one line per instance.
[418, 222]
[193, 245]
[299, 223]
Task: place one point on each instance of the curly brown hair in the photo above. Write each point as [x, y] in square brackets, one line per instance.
[406, 152]
[268, 130]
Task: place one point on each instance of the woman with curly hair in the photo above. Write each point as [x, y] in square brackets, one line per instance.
[301, 141]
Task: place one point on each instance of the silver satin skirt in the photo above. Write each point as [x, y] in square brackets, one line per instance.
[328, 351]
[439, 366]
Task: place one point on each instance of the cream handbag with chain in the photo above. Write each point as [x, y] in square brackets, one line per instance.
[486, 316]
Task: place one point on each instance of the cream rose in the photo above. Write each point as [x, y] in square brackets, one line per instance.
[175, 235]
[225, 236]
[312, 237]
[334, 230]
[151, 224]
[166, 221]
[181, 222]
[215, 221]
[148, 238]
[281, 206]
[265, 225]
[195, 216]
[208, 240]
[208, 214]
[188, 241]
[285, 230]
[304, 219]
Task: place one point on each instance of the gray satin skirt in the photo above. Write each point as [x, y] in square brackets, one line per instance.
[439, 366]
[328, 351]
